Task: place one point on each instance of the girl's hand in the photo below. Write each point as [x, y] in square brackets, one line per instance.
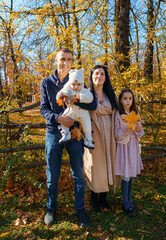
[138, 127]
[128, 129]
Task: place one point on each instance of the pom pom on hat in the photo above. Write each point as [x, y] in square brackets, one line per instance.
[76, 76]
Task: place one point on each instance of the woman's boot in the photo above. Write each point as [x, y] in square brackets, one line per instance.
[103, 201]
[94, 202]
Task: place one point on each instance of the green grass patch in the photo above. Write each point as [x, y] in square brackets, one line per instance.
[22, 214]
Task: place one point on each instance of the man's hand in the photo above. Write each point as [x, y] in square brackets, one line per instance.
[65, 121]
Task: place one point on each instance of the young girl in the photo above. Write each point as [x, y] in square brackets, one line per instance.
[128, 160]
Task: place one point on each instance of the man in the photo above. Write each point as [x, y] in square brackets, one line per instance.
[52, 112]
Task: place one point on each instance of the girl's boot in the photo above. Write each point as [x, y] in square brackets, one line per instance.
[94, 202]
[129, 194]
[126, 206]
[103, 201]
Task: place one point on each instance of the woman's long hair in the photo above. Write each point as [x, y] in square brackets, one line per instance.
[120, 105]
[107, 87]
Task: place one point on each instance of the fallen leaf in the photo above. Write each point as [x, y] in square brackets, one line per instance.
[112, 229]
[20, 212]
[3, 200]
[18, 222]
[112, 208]
[146, 212]
[4, 234]
[99, 229]
[131, 119]
[116, 219]
[105, 210]
[30, 235]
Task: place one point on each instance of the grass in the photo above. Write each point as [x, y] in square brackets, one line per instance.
[22, 212]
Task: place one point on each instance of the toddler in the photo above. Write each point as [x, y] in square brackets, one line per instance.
[75, 88]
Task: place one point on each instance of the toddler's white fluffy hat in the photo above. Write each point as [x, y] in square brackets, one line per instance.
[76, 76]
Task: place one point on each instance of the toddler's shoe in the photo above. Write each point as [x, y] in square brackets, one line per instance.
[88, 143]
[49, 217]
[66, 137]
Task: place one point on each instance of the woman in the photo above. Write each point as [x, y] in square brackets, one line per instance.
[100, 162]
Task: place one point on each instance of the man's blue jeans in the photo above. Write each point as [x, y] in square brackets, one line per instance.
[54, 160]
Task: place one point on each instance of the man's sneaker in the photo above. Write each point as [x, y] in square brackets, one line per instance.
[82, 218]
[88, 143]
[66, 137]
[49, 217]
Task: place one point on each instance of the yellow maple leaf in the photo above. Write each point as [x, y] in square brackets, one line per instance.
[60, 102]
[76, 133]
[131, 120]
[75, 100]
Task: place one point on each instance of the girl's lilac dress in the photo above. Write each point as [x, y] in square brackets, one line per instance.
[128, 160]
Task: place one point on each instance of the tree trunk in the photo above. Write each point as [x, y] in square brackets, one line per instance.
[106, 33]
[1, 88]
[77, 30]
[137, 48]
[148, 66]
[121, 23]
[70, 43]
[55, 22]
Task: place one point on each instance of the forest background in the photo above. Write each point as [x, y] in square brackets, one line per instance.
[127, 36]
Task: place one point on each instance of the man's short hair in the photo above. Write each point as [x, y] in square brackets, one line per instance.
[66, 50]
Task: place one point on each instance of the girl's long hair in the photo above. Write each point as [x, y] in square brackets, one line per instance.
[120, 105]
[107, 87]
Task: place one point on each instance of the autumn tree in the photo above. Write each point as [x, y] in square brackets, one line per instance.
[122, 31]
[12, 58]
[151, 22]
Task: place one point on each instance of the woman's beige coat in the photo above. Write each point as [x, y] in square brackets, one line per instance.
[95, 160]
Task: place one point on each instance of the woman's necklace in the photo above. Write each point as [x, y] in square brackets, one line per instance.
[100, 98]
